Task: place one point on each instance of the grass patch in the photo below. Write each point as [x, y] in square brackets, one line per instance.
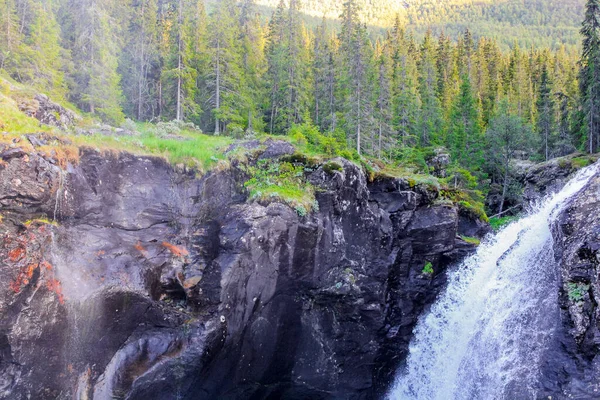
[16, 122]
[583, 161]
[498, 223]
[471, 240]
[470, 202]
[281, 181]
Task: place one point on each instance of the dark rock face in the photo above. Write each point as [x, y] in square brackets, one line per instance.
[157, 284]
[575, 368]
[550, 177]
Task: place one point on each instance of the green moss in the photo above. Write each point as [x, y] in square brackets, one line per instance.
[577, 291]
[332, 166]
[281, 181]
[40, 221]
[428, 269]
[499, 223]
[469, 202]
[471, 240]
[582, 162]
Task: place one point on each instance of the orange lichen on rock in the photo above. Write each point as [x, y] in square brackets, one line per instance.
[177, 251]
[16, 254]
[23, 278]
[138, 246]
[54, 286]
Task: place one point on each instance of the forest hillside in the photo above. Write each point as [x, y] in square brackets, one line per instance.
[400, 95]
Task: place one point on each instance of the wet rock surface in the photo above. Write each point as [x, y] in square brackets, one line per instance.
[126, 278]
[573, 370]
[551, 176]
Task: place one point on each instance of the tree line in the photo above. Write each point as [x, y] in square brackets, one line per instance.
[383, 95]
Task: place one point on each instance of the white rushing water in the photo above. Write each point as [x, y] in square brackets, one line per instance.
[485, 335]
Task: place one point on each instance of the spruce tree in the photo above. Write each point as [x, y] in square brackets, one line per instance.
[545, 113]
[590, 74]
[94, 45]
[356, 75]
[430, 121]
[464, 133]
[224, 80]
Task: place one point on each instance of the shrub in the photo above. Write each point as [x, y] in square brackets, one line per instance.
[577, 291]
[428, 268]
[236, 131]
[332, 166]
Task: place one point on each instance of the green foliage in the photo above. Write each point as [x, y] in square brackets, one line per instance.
[577, 291]
[331, 166]
[471, 240]
[498, 223]
[281, 181]
[308, 137]
[428, 269]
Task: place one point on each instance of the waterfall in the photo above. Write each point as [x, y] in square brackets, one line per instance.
[486, 335]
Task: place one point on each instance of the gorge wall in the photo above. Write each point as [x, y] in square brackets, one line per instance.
[124, 277]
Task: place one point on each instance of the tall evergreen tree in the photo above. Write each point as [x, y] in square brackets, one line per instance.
[356, 69]
[224, 80]
[94, 44]
[430, 119]
[545, 113]
[464, 134]
[590, 74]
[405, 95]
[139, 60]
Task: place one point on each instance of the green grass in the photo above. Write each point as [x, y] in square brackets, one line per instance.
[197, 150]
[471, 240]
[281, 181]
[500, 222]
[16, 122]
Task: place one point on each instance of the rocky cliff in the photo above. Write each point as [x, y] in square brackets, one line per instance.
[126, 278]
[574, 370]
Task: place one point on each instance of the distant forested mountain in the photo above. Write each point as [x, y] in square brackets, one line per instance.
[538, 23]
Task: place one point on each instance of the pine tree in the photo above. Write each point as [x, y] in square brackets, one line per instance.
[405, 95]
[464, 134]
[384, 104]
[590, 74]
[224, 81]
[355, 74]
[252, 39]
[506, 135]
[139, 59]
[45, 55]
[277, 72]
[10, 37]
[94, 45]
[545, 113]
[430, 121]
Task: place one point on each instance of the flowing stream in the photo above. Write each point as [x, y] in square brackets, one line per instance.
[486, 335]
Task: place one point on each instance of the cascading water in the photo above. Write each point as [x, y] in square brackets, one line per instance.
[486, 335]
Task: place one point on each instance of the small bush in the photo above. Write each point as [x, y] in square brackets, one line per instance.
[129, 125]
[428, 269]
[332, 166]
[577, 291]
